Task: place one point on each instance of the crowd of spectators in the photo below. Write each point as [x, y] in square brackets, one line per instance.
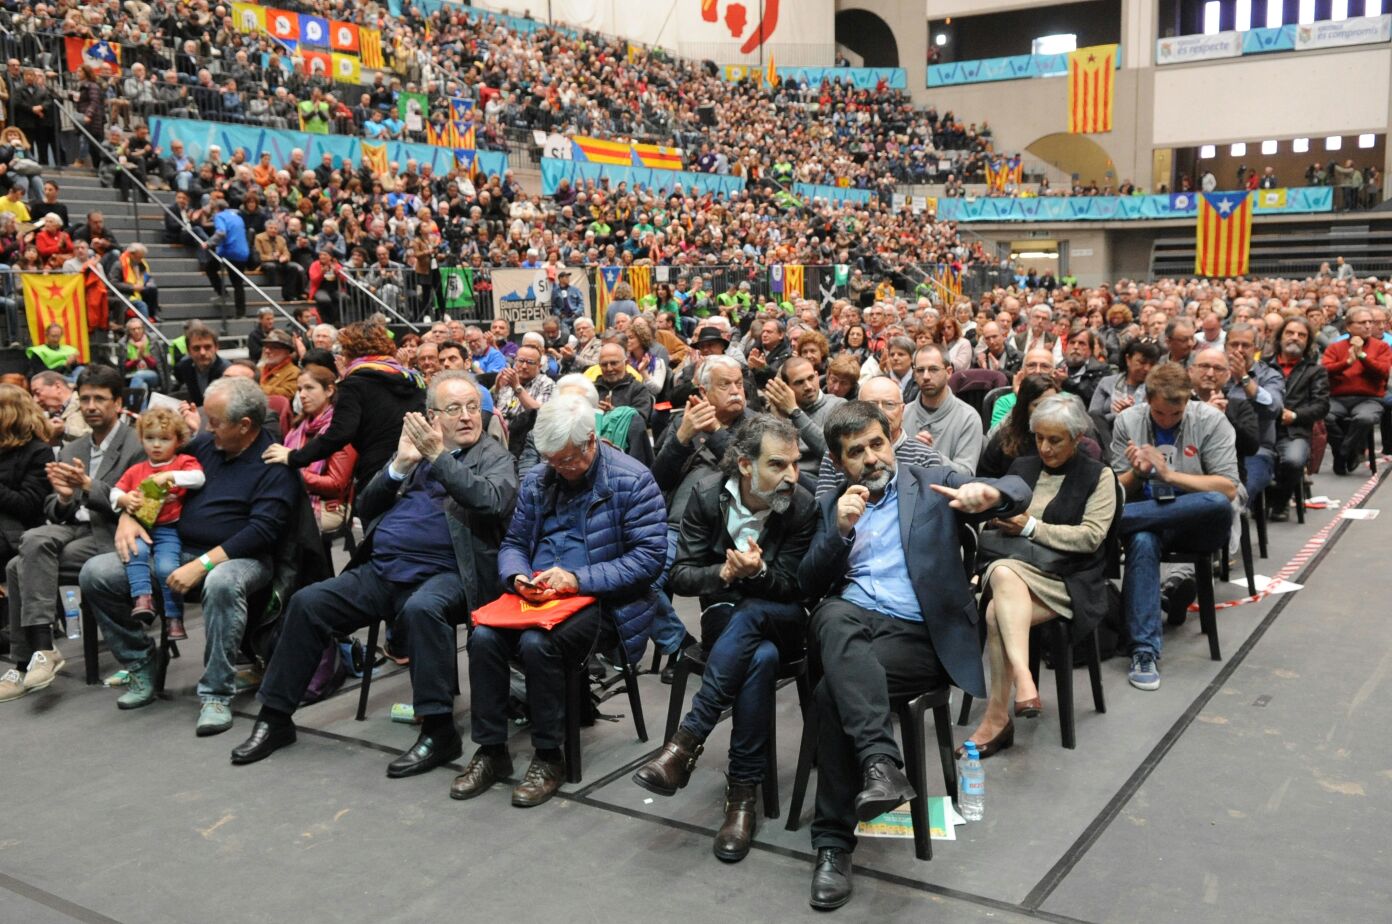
[759, 462]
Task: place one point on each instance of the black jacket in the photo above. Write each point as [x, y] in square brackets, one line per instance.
[368, 412]
[187, 377]
[23, 487]
[628, 393]
[704, 539]
[1084, 382]
[1307, 396]
[680, 466]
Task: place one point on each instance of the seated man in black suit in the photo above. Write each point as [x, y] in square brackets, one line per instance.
[436, 515]
[202, 366]
[741, 538]
[898, 618]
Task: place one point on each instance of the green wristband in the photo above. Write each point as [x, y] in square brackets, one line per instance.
[206, 562]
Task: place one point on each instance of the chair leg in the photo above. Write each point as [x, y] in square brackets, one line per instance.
[635, 695]
[1099, 701]
[89, 643]
[162, 655]
[942, 726]
[911, 730]
[770, 786]
[1208, 619]
[807, 750]
[656, 666]
[1300, 497]
[677, 701]
[1245, 542]
[1224, 573]
[1259, 517]
[371, 657]
[577, 687]
[965, 712]
[1063, 682]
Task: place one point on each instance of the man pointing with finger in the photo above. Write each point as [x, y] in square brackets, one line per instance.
[898, 618]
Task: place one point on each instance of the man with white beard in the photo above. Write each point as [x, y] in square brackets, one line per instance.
[742, 535]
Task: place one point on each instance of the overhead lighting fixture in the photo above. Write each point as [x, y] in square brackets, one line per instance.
[1207, 151]
[1268, 147]
[1300, 145]
[1333, 143]
[1239, 149]
[940, 39]
[1366, 140]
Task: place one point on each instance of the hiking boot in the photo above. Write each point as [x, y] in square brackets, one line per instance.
[140, 687]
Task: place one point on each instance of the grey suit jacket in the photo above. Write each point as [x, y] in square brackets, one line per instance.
[125, 450]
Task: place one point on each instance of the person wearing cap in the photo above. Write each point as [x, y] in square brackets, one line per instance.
[567, 301]
[279, 374]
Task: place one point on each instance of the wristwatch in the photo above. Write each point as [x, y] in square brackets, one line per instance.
[1244, 380]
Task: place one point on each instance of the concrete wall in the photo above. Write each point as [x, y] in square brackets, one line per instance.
[910, 32]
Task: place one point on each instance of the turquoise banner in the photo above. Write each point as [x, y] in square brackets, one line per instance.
[1013, 67]
[198, 136]
[553, 170]
[513, 23]
[834, 194]
[1299, 200]
[1260, 41]
[865, 78]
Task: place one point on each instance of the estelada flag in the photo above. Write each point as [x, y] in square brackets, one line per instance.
[101, 54]
[465, 135]
[57, 298]
[658, 156]
[1091, 71]
[792, 280]
[374, 157]
[1224, 232]
[343, 36]
[370, 45]
[605, 280]
[598, 151]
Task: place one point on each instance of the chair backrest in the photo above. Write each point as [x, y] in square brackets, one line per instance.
[971, 385]
[966, 538]
[988, 403]
[280, 406]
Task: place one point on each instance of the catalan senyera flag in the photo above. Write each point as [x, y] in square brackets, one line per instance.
[374, 157]
[370, 46]
[658, 156]
[1224, 232]
[640, 279]
[1091, 72]
[57, 298]
[771, 75]
[598, 151]
[792, 280]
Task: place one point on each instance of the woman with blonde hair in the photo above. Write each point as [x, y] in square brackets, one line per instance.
[24, 452]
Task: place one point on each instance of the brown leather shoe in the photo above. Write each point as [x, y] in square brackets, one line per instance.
[480, 774]
[541, 782]
[177, 632]
[671, 769]
[732, 840]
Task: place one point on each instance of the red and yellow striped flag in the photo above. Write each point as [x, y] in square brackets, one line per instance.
[374, 157]
[1224, 232]
[57, 298]
[792, 280]
[658, 156]
[599, 151]
[640, 280]
[370, 45]
[1090, 74]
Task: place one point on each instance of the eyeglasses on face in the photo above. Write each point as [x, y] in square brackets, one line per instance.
[455, 411]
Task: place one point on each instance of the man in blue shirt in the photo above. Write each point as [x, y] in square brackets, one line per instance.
[487, 359]
[435, 516]
[229, 530]
[898, 619]
[229, 242]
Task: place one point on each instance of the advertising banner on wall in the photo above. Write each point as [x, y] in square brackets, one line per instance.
[1184, 48]
[1361, 30]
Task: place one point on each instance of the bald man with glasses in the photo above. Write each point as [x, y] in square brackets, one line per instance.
[435, 518]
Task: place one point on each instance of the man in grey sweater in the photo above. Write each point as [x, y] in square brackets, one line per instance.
[941, 419]
[795, 393]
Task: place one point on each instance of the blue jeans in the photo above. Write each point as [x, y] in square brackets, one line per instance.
[667, 631]
[1261, 469]
[1192, 523]
[741, 668]
[225, 592]
[163, 559]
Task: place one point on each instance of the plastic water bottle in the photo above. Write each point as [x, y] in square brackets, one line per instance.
[971, 785]
[72, 612]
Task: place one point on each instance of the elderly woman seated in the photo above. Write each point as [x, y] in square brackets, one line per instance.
[1046, 563]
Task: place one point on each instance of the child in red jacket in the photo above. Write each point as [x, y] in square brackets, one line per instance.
[169, 474]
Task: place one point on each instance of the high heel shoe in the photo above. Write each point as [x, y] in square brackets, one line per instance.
[1004, 739]
[1029, 708]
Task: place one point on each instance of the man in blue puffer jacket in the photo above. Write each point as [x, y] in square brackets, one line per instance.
[590, 521]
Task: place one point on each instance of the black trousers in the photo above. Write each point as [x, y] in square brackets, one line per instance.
[213, 270]
[425, 613]
[544, 656]
[866, 658]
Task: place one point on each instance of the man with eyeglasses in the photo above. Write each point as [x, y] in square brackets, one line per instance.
[939, 418]
[1357, 365]
[1265, 389]
[435, 517]
[883, 392]
[519, 392]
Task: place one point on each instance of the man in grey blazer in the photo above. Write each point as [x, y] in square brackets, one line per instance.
[80, 524]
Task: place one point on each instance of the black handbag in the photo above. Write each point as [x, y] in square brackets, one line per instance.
[994, 545]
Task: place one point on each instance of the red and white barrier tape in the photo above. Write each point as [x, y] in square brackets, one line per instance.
[1307, 551]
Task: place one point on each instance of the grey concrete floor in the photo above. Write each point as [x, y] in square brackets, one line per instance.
[1256, 788]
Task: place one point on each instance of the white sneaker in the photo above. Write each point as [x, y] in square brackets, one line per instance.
[11, 686]
[43, 667]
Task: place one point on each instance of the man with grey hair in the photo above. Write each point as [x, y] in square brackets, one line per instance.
[626, 432]
[589, 522]
[229, 531]
[435, 516]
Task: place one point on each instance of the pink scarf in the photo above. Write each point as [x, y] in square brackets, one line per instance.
[300, 435]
